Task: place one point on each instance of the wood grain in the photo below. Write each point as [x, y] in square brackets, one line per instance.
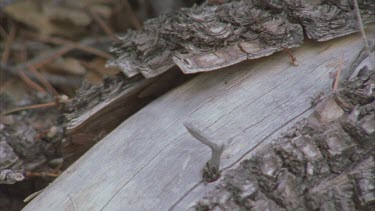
[150, 162]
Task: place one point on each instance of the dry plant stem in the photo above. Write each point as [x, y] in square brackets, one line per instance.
[8, 43]
[292, 58]
[36, 106]
[83, 47]
[33, 195]
[104, 26]
[42, 60]
[41, 174]
[3, 33]
[54, 56]
[30, 82]
[362, 30]
[44, 81]
[132, 16]
[217, 149]
[24, 77]
[52, 78]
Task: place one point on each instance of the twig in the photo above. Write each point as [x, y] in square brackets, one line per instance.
[30, 82]
[132, 16]
[77, 45]
[292, 58]
[23, 57]
[52, 78]
[33, 195]
[41, 78]
[3, 33]
[8, 43]
[362, 30]
[211, 171]
[41, 174]
[59, 52]
[103, 26]
[36, 106]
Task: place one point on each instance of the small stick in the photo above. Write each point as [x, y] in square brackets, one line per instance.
[211, 171]
[8, 43]
[103, 25]
[52, 78]
[292, 58]
[36, 106]
[33, 195]
[77, 45]
[41, 174]
[30, 82]
[23, 57]
[362, 30]
[3, 33]
[132, 16]
[44, 81]
[52, 57]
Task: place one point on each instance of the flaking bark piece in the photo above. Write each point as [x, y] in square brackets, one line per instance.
[213, 36]
[211, 171]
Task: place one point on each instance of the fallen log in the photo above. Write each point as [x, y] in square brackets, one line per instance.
[150, 162]
[209, 37]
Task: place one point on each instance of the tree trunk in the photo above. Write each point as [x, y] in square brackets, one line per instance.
[151, 162]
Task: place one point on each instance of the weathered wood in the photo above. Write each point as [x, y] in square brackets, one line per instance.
[325, 162]
[117, 95]
[214, 36]
[150, 162]
[97, 109]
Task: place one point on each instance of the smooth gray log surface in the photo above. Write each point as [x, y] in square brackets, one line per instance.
[151, 162]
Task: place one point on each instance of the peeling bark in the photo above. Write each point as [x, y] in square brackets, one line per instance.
[98, 108]
[210, 37]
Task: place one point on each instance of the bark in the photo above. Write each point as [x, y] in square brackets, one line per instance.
[98, 108]
[325, 162]
[205, 38]
[213, 36]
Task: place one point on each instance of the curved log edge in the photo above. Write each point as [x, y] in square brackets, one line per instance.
[211, 37]
[150, 162]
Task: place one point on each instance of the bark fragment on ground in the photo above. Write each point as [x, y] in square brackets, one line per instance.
[213, 36]
[324, 162]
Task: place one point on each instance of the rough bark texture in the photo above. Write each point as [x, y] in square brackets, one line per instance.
[210, 37]
[98, 108]
[28, 139]
[325, 162]
[205, 38]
